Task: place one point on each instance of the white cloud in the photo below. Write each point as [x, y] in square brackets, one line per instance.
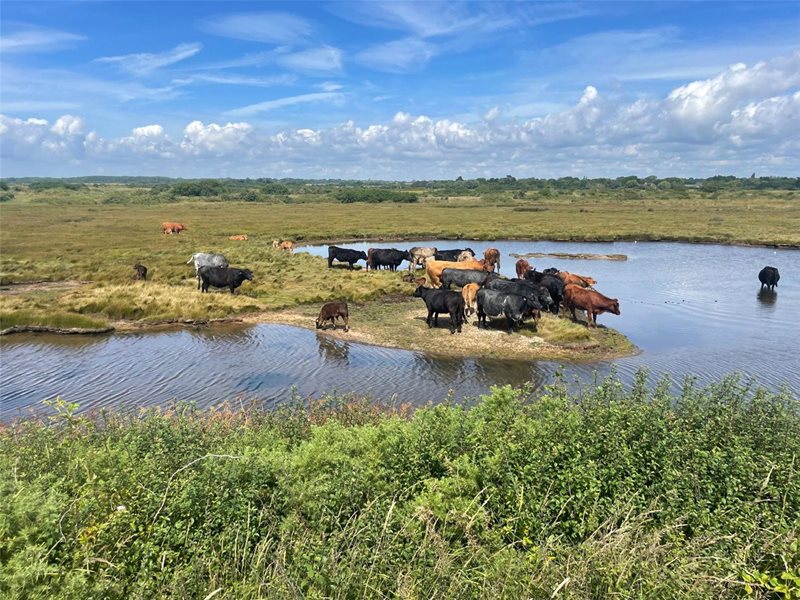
[28, 38]
[215, 139]
[285, 79]
[313, 61]
[68, 125]
[253, 109]
[399, 56]
[741, 120]
[145, 62]
[268, 27]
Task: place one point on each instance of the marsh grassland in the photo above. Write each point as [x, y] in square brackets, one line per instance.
[61, 235]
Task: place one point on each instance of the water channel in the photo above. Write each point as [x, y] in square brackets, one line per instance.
[693, 310]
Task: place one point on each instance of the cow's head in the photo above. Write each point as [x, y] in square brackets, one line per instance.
[613, 306]
[419, 292]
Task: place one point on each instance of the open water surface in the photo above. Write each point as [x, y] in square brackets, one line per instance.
[693, 310]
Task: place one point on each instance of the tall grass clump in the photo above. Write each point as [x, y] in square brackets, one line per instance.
[605, 492]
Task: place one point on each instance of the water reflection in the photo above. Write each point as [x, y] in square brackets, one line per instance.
[333, 351]
[767, 297]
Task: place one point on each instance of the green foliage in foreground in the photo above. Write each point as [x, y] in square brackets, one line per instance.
[604, 493]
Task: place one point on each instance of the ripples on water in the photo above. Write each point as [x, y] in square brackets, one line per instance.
[692, 309]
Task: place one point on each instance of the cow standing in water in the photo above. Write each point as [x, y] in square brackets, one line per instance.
[769, 277]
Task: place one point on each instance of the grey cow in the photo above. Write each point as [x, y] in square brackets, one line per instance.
[206, 259]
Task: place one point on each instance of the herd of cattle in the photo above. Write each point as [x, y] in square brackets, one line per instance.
[483, 291]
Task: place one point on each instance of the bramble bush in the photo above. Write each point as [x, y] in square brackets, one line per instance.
[607, 491]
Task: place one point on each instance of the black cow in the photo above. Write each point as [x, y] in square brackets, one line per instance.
[442, 301]
[345, 255]
[223, 277]
[537, 295]
[553, 284]
[387, 257]
[769, 276]
[461, 277]
[141, 272]
[451, 255]
[494, 304]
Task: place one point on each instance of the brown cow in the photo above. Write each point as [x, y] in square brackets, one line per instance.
[171, 228]
[576, 279]
[242, 237]
[417, 281]
[286, 246]
[434, 268]
[594, 303]
[492, 256]
[331, 311]
[470, 294]
[523, 266]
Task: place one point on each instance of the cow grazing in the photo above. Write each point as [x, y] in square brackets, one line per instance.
[523, 266]
[223, 277]
[593, 302]
[465, 255]
[205, 259]
[286, 246]
[442, 301]
[141, 272]
[576, 279]
[345, 255]
[242, 237]
[386, 257]
[461, 277]
[493, 303]
[434, 268]
[769, 276]
[419, 255]
[470, 294]
[451, 254]
[170, 228]
[492, 257]
[331, 311]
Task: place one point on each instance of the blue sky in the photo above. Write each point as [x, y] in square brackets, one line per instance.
[399, 90]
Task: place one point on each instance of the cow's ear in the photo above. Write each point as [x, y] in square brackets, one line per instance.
[424, 281]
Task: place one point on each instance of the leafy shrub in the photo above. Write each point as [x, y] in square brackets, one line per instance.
[605, 492]
[201, 188]
[349, 195]
[6, 196]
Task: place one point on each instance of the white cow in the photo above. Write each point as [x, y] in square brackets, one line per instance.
[205, 259]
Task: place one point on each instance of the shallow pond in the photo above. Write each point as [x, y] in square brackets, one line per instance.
[692, 309]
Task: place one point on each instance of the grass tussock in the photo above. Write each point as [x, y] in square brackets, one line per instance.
[606, 492]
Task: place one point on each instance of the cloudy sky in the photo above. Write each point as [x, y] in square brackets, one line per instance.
[399, 90]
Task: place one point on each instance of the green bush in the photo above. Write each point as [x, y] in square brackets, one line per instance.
[606, 492]
[372, 195]
[6, 196]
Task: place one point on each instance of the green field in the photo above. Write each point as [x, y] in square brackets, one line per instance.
[607, 493]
